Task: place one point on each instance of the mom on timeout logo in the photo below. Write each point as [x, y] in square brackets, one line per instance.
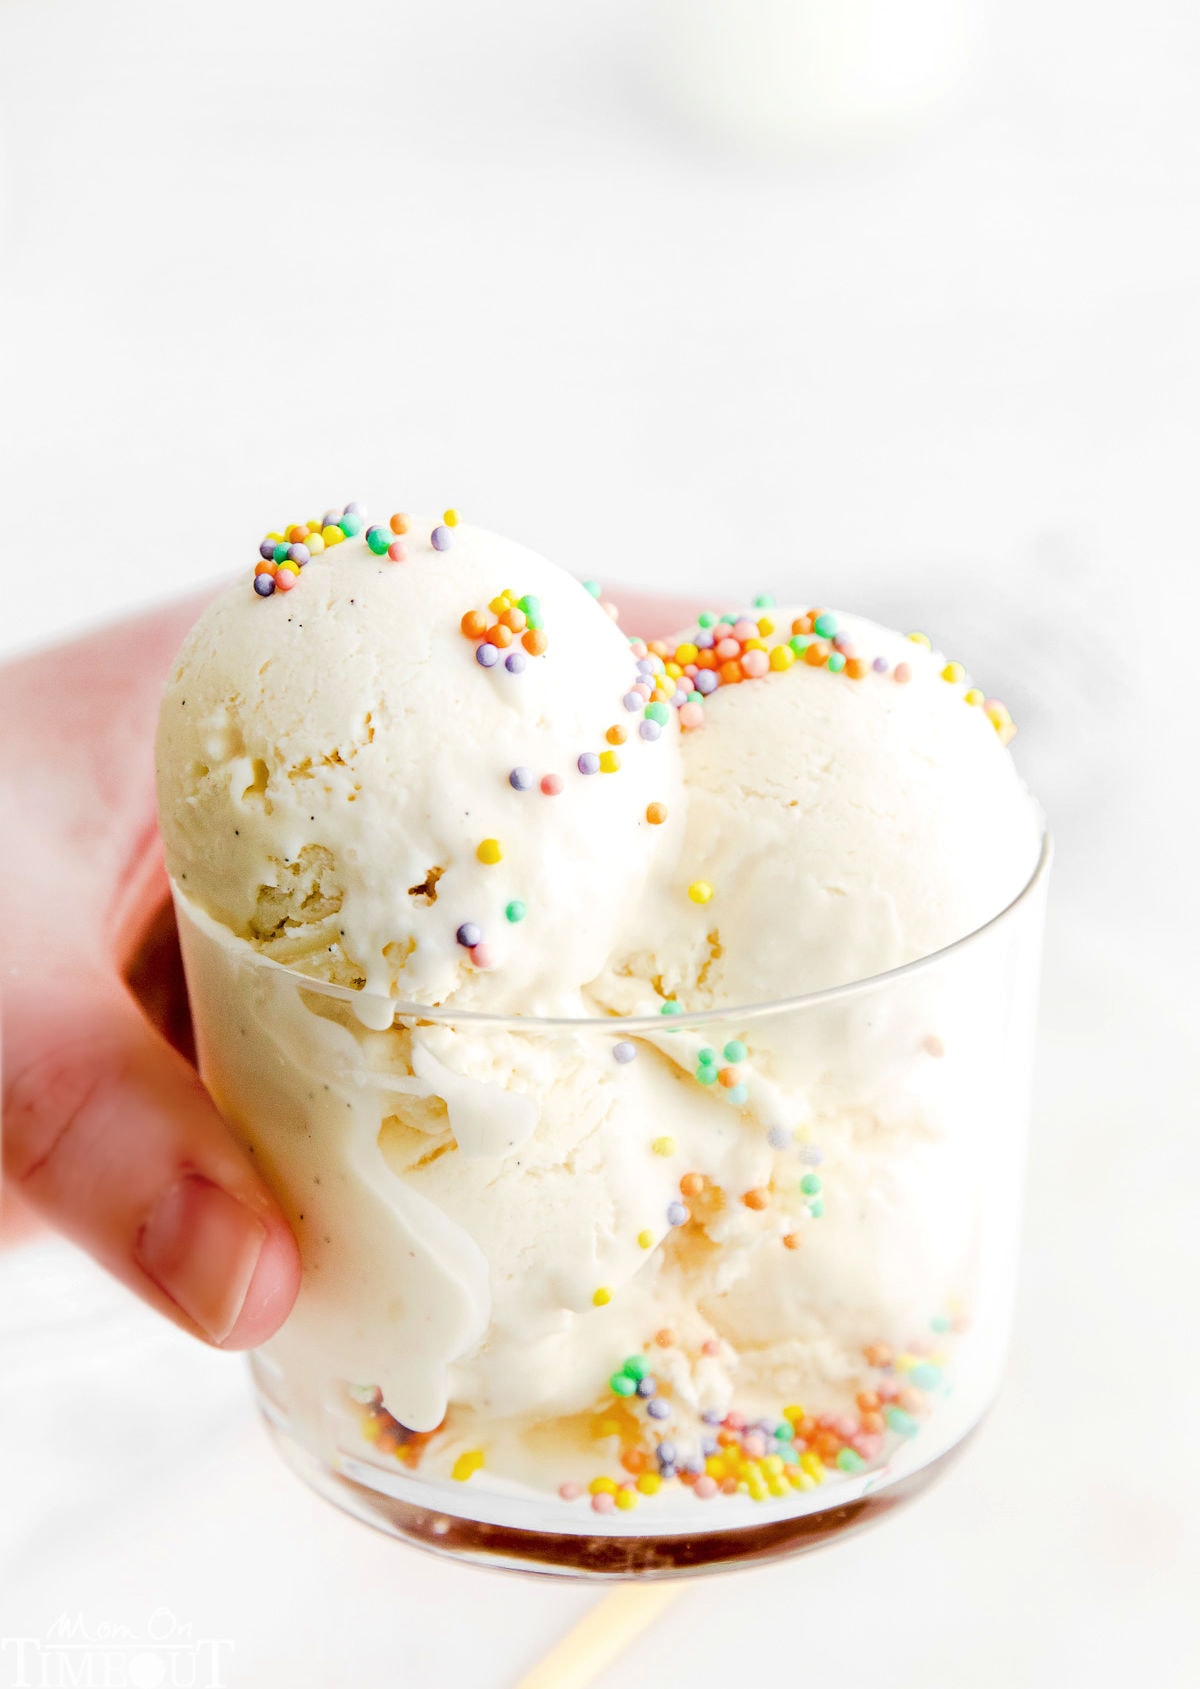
[73, 1654]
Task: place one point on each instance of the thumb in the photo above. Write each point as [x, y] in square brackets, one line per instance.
[111, 1135]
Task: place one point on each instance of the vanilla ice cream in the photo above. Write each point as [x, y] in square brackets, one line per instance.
[674, 1239]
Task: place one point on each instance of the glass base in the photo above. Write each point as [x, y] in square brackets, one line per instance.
[599, 1558]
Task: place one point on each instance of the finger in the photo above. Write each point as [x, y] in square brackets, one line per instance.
[109, 1133]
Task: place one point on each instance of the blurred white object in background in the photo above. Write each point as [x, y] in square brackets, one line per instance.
[814, 72]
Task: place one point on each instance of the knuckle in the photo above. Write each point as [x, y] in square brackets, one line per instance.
[53, 1096]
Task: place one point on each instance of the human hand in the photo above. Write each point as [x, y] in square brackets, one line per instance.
[107, 1131]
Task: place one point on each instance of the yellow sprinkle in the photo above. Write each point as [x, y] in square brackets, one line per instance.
[466, 1464]
[499, 603]
[649, 1483]
[700, 891]
[922, 639]
[602, 1486]
[609, 762]
[660, 695]
[793, 1413]
[796, 1478]
[291, 568]
[489, 851]
[778, 1486]
[274, 536]
[371, 1429]
[602, 1297]
[906, 1362]
[813, 1465]
[808, 1482]
[608, 1428]
[772, 1465]
[627, 1497]
[755, 645]
[973, 696]
[646, 1239]
[673, 669]
[663, 1146]
[954, 673]
[758, 1492]
[313, 527]
[450, 518]
[315, 542]
[765, 626]
[332, 535]
[782, 657]
[715, 1466]
[685, 654]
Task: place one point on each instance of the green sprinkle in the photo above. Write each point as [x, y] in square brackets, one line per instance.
[735, 1050]
[282, 553]
[379, 539]
[785, 1431]
[764, 601]
[926, 1376]
[706, 1075]
[657, 712]
[350, 525]
[515, 911]
[836, 662]
[904, 1423]
[695, 697]
[826, 626]
[636, 1367]
[939, 1322]
[670, 1007]
[707, 1057]
[799, 643]
[729, 619]
[533, 619]
[810, 1184]
[622, 1385]
[705, 619]
[593, 587]
[816, 1208]
[530, 604]
[851, 1461]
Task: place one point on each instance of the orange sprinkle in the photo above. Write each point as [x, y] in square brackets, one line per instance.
[866, 1401]
[265, 568]
[656, 814]
[616, 735]
[792, 1240]
[474, 624]
[902, 674]
[872, 1421]
[665, 1338]
[727, 1076]
[399, 524]
[534, 641]
[656, 648]
[297, 533]
[635, 1461]
[756, 1199]
[878, 1354]
[802, 624]
[816, 654]
[730, 672]
[857, 668]
[499, 635]
[705, 660]
[513, 618]
[692, 1184]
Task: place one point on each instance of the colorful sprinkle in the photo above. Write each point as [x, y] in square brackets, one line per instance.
[515, 911]
[440, 538]
[656, 814]
[489, 851]
[487, 656]
[588, 763]
[467, 1464]
[450, 518]
[601, 1297]
[520, 778]
[551, 785]
[700, 891]
[624, 1051]
[469, 935]
[663, 1146]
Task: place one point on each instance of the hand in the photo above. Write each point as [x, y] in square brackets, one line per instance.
[107, 1130]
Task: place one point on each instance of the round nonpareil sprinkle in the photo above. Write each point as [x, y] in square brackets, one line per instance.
[515, 911]
[601, 1297]
[700, 891]
[656, 814]
[588, 763]
[624, 1051]
[439, 539]
[469, 935]
[520, 778]
[488, 851]
[551, 785]
[487, 656]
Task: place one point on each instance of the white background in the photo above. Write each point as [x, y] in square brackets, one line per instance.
[256, 259]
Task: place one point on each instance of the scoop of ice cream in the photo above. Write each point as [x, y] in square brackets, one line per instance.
[840, 824]
[374, 777]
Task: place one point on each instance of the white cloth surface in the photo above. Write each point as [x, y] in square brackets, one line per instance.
[258, 258]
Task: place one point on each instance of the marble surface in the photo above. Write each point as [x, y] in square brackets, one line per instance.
[257, 258]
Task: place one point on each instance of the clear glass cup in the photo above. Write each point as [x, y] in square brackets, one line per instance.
[644, 1296]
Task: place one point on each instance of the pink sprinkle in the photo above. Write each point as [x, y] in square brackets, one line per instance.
[726, 649]
[690, 670]
[844, 1424]
[638, 648]
[754, 1445]
[867, 1443]
[902, 674]
[844, 645]
[285, 580]
[603, 1503]
[912, 1401]
[755, 664]
[568, 1491]
[887, 1389]
[609, 608]
[745, 629]
[642, 687]
[934, 1046]
[397, 552]
[691, 715]
[922, 1345]
[552, 784]
[735, 1421]
[481, 955]
[705, 1488]
[710, 1347]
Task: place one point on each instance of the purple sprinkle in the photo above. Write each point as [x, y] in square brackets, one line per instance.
[589, 763]
[330, 518]
[515, 662]
[624, 1051]
[680, 697]
[677, 1214]
[667, 1452]
[667, 1471]
[844, 644]
[657, 1408]
[646, 1386]
[650, 730]
[264, 585]
[779, 1137]
[633, 701]
[709, 1445]
[766, 1426]
[440, 538]
[520, 779]
[693, 1465]
[267, 550]
[486, 655]
[353, 510]
[645, 665]
[703, 641]
[880, 665]
[712, 1416]
[706, 682]
[811, 1157]
[298, 554]
[469, 935]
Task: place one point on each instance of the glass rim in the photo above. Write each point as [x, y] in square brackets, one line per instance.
[447, 1015]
